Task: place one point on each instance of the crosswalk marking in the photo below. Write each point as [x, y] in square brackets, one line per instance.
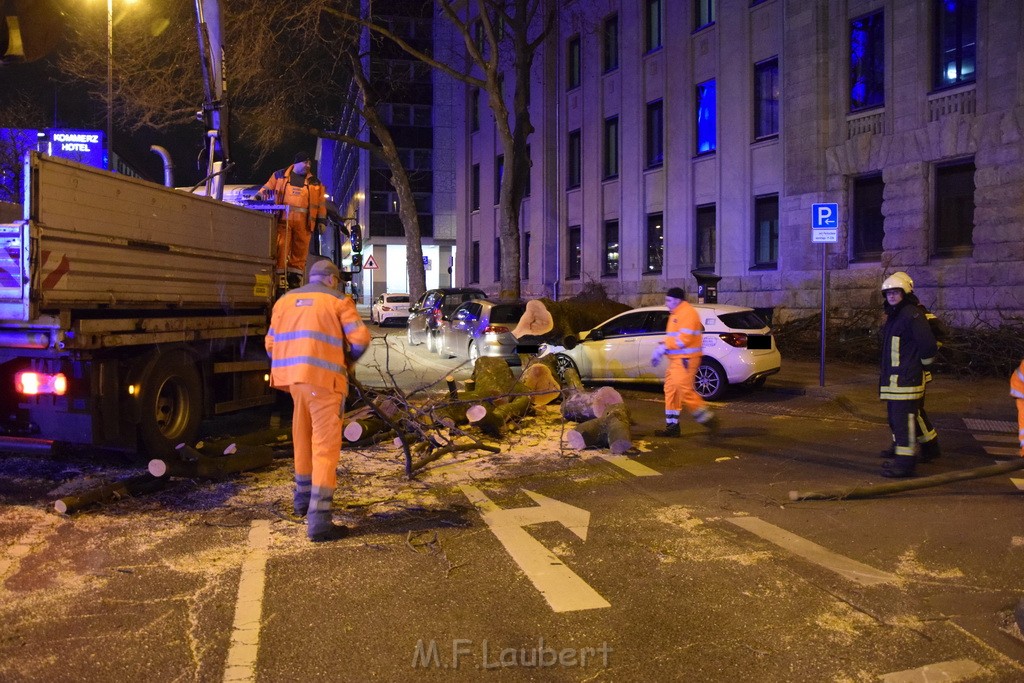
[844, 566]
[637, 469]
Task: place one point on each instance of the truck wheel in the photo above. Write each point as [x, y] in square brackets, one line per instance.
[170, 404]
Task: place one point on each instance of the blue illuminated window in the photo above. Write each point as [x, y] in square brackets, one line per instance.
[956, 31]
[707, 117]
[867, 61]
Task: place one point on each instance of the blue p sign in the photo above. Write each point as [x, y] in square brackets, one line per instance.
[824, 216]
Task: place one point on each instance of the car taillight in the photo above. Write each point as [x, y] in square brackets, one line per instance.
[495, 329]
[31, 383]
[737, 339]
[437, 316]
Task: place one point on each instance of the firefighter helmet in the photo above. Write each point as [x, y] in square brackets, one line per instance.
[898, 280]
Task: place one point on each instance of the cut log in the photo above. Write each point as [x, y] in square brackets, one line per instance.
[357, 430]
[612, 431]
[492, 377]
[453, 389]
[910, 484]
[494, 421]
[538, 378]
[189, 466]
[126, 488]
[549, 322]
[580, 406]
[536, 320]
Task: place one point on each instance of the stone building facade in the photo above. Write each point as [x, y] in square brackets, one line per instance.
[681, 135]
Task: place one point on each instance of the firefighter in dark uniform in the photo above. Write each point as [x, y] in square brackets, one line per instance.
[908, 348]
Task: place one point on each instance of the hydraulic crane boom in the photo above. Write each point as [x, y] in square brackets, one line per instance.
[215, 106]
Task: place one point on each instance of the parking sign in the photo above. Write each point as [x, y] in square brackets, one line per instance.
[824, 223]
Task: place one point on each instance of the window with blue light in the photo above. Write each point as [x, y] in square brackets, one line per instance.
[867, 61]
[956, 32]
[707, 118]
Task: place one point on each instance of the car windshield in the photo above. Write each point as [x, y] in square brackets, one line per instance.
[507, 313]
[743, 320]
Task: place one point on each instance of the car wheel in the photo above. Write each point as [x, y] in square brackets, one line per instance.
[409, 337]
[563, 363]
[474, 352]
[432, 342]
[710, 381]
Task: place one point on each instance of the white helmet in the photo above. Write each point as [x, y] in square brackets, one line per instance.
[898, 280]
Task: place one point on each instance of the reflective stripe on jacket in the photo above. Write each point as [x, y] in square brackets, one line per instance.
[315, 331]
[310, 198]
[908, 348]
[684, 333]
[1017, 382]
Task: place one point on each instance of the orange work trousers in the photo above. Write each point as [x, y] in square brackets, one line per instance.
[293, 236]
[679, 390]
[316, 433]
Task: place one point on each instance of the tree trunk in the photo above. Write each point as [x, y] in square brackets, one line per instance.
[580, 406]
[126, 488]
[612, 431]
[192, 464]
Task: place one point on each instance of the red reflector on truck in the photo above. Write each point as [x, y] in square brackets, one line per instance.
[31, 383]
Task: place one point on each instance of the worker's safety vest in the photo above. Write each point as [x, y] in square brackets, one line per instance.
[684, 333]
[308, 199]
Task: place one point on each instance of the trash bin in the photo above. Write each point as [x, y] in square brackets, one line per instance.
[707, 286]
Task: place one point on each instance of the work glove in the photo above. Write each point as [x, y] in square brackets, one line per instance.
[659, 351]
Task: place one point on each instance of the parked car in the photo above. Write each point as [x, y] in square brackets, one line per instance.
[390, 308]
[738, 349]
[482, 328]
[426, 314]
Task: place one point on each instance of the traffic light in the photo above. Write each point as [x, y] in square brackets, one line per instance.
[355, 236]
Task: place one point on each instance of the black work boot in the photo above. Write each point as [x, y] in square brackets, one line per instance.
[930, 451]
[713, 425]
[889, 452]
[294, 280]
[333, 532]
[670, 430]
[899, 467]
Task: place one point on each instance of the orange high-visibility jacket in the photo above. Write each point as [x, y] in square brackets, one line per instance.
[314, 332]
[1017, 382]
[310, 198]
[684, 333]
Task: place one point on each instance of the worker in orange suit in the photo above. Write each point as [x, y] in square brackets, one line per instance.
[682, 345]
[315, 334]
[1017, 391]
[306, 210]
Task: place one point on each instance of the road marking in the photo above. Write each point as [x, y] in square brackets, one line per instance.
[1001, 450]
[997, 438]
[844, 566]
[626, 463]
[954, 670]
[1019, 483]
[245, 636]
[560, 586]
[11, 559]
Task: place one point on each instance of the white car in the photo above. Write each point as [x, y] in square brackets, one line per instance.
[390, 308]
[738, 349]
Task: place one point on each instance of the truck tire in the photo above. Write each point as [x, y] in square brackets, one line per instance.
[170, 404]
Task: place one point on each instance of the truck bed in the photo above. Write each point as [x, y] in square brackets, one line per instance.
[100, 241]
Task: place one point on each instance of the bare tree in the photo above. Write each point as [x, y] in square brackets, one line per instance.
[17, 111]
[500, 36]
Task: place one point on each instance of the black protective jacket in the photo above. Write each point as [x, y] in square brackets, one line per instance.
[908, 348]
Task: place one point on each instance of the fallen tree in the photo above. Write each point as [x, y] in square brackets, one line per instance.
[611, 431]
[118, 490]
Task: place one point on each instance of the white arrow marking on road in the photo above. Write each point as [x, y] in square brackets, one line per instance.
[560, 586]
[844, 566]
[635, 468]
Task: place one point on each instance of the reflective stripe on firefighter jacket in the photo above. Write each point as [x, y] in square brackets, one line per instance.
[908, 348]
[315, 331]
[684, 333]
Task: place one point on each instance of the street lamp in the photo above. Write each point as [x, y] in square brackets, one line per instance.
[110, 83]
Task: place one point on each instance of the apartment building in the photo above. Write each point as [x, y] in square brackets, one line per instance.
[675, 137]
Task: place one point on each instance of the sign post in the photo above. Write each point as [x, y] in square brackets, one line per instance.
[824, 230]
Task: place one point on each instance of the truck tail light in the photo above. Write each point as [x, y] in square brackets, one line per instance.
[30, 383]
[737, 339]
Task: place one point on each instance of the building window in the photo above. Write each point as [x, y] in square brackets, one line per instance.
[704, 13]
[610, 161]
[956, 31]
[655, 243]
[524, 255]
[655, 134]
[766, 98]
[499, 171]
[574, 266]
[652, 25]
[474, 262]
[474, 192]
[610, 266]
[766, 231]
[497, 259]
[954, 209]
[474, 110]
[867, 61]
[706, 237]
[707, 115]
[867, 228]
[574, 166]
[610, 41]
[573, 63]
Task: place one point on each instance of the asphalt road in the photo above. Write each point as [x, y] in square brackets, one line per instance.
[685, 561]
